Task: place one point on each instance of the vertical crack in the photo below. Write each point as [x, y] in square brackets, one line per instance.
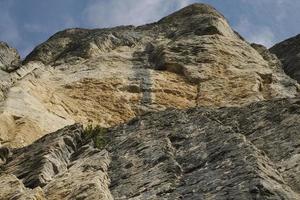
[143, 75]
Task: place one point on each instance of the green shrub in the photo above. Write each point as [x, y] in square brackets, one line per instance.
[98, 134]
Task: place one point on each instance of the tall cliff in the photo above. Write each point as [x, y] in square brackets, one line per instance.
[200, 153]
[108, 76]
[185, 108]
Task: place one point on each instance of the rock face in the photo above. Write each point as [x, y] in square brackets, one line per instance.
[193, 112]
[54, 166]
[9, 58]
[229, 153]
[288, 52]
[108, 76]
[9, 61]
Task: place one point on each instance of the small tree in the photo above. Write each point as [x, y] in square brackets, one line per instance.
[98, 135]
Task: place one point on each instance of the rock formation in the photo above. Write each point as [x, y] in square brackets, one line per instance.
[200, 153]
[108, 76]
[9, 58]
[288, 52]
[187, 108]
[9, 62]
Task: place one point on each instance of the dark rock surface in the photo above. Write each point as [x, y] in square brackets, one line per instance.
[288, 52]
[268, 56]
[62, 165]
[251, 152]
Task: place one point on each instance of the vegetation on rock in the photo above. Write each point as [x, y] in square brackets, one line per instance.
[97, 134]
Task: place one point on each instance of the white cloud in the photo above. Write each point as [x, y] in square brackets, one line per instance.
[272, 6]
[263, 36]
[100, 13]
[255, 33]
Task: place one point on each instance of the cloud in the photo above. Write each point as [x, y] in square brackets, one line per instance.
[268, 21]
[99, 13]
[277, 8]
[264, 36]
[255, 33]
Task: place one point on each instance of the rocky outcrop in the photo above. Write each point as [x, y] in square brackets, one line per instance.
[247, 152]
[288, 53]
[187, 110]
[9, 58]
[108, 76]
[9, 61]
[62, 165]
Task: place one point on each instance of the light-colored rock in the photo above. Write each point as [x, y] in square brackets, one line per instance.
[9, 61]
[13, 188]
[108, 76]
[9, 58]
[192, 58]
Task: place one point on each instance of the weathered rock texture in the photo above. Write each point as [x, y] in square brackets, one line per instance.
[9, 61]
[9, 58]
[251, 152]
[108, 76]
[59, 166]
[288, 52]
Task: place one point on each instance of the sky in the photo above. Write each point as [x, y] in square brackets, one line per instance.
[26, 23]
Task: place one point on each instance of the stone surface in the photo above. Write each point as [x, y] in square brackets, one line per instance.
[288, 52]
[249, 152]
[194, 112]
[9, 58]
[108, 76]
[9, 62]
[62, 165]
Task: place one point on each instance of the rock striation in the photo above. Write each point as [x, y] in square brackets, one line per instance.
[9, 58]
[58, 166]
[288, 53]
[9, 61]
[186, 108]
[108, 76]
[249, 152]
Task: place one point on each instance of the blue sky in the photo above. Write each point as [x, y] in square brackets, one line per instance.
[26, 23]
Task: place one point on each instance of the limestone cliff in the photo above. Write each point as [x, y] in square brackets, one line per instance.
[108, 76]
[200, 153]
[186, 108]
